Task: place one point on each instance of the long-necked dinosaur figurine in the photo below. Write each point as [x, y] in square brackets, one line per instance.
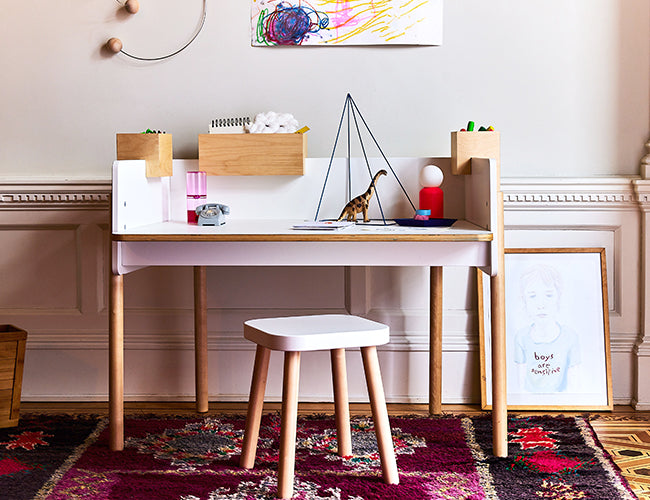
[360, 203]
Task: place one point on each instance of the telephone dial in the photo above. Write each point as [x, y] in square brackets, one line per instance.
[212, 214]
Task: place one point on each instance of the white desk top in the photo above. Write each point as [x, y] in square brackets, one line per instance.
[281, 230]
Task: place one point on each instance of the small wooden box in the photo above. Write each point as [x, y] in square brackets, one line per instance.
[252, 154]
[468, 145]
[154, 149]
[12, 359]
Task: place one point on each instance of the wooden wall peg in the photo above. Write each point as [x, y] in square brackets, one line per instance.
[132, 6]
[114, 45]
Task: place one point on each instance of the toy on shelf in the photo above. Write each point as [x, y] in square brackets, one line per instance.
[431, 196]
[212, 214]
[359, 204]
[422, 214]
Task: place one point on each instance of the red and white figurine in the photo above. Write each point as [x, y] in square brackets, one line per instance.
[431, 196]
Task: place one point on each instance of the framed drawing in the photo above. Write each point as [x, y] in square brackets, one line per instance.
[354, 22]
[557, 330]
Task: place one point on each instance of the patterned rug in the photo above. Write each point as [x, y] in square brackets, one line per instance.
[182, 458]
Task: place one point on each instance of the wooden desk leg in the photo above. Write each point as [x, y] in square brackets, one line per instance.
[116, 362]
[499, 394]
[499, 390]
[435, 342]
[201, 338]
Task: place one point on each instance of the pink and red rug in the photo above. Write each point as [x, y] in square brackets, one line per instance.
[62, 458]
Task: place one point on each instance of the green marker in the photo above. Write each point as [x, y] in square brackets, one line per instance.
[470, 126]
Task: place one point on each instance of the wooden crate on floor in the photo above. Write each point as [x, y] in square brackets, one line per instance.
[12, 358]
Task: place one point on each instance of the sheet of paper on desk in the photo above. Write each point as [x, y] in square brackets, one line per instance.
[327, 225]
[404, 229]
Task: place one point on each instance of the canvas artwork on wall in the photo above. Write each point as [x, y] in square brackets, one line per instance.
[354, 22]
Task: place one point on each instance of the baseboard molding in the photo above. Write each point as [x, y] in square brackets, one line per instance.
[639, 405]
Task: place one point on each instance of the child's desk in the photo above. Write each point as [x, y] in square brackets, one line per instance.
[146, 232]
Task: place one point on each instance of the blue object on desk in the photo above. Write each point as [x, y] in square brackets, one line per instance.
[425, 223]
[212, 214]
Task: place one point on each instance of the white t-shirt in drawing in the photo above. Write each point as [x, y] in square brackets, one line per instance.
[547, 363]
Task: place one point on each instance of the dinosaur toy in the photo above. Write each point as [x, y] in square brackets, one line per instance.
[360, 203]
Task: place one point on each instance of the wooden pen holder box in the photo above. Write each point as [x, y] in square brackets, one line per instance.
[252, 154]
[154, 149]
[468, 145]
[12, 359]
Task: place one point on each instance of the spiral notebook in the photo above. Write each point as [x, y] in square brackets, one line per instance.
[229, 125]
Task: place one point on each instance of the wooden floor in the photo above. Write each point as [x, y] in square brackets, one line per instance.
[627, 439]
[625, 433]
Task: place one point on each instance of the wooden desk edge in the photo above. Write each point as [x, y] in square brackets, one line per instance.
[355, 237]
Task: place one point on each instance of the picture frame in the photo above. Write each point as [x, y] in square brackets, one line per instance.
[557, 330]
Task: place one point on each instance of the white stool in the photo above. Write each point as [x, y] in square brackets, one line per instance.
[292, 335]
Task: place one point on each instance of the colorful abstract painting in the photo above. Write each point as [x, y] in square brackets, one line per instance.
[338, 22]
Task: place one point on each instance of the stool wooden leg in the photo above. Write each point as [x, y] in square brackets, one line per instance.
[341, 404]
[380, 415]
[255, 405]
[288, 428]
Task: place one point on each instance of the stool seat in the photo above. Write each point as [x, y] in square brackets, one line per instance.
[315, 333]
[333, 332]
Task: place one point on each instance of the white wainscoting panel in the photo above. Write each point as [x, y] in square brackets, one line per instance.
[54, 261]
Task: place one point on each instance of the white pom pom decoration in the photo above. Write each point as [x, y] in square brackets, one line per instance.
[273, 123]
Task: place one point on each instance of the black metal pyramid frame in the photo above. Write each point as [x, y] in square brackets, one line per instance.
[350, 108]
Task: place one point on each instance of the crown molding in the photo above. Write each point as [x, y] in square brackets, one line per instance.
[54, 195]
[518, 193]
[570, 193]
[642, 190]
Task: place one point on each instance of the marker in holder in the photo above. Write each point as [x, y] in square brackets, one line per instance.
[197, 193]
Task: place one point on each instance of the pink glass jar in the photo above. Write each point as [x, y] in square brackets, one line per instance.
[197, 193]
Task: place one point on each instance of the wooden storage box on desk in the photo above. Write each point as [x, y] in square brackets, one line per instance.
[12, 358]
[468, 145]
[252, 154]
[154, 149]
